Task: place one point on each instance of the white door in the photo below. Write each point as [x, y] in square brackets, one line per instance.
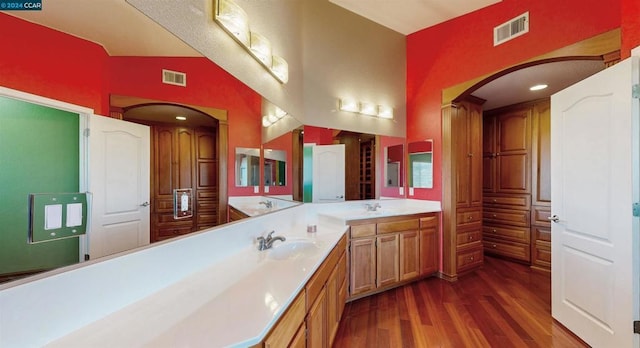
[328, 173]
[119, 183]
[594, 182]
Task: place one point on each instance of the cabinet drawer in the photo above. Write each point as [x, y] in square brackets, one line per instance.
[465, 238]
[468, 217]
[512, 233]
[511, 201]
[506, 216]
[469, 259]
[363, 230]
[398, 226]
[540, 216]
[517, 251]
[169, 232]
[541, 233]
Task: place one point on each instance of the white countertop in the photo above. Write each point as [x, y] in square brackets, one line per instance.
[232, 303]
[386, 208]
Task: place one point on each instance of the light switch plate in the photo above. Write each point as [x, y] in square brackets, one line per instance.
[410, 191]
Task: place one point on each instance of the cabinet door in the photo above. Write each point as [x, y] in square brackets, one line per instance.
[429, 228]
[332, 303]
[409, 255]
[317, 322]
[299, 340]
[363, 265]
[475, 150]
[513, 131]
[488, 154]
[388, 271]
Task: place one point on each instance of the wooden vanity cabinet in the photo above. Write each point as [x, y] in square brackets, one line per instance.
[235, 214]
[313, 317]
[390, 251]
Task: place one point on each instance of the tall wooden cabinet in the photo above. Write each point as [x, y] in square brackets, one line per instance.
[462, 187]
[516, 190]
[183, 158]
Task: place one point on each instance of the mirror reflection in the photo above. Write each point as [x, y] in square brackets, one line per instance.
[275, 167]
[421, 164]
[247, 166]
[394, 167]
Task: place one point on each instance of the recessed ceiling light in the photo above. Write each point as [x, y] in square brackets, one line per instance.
[181, 118]
[538, 87]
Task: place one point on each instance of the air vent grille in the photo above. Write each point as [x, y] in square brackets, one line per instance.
[174, 78]
[511, 29]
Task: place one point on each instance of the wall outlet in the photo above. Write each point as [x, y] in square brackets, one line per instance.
[256, 189]
[410, 191]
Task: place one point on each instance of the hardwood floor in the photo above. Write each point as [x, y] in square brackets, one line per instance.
[505, 304]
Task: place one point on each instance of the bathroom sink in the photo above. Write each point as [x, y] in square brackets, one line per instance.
[292, 249]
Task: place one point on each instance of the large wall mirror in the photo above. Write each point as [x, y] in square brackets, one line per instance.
[394, 165]
[421, 164]
[247, 166]
[275, 167]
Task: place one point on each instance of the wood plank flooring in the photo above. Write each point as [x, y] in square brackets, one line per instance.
[504, 304]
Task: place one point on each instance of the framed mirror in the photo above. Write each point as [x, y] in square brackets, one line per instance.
[421, 164]
[275, 167]
[393, 165]
[247, 167]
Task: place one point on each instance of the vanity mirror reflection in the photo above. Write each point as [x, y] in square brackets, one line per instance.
[247, 167]
[394, 165]
[275, 167]
[421, 164]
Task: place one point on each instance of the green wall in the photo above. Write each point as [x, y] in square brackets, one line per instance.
[39, 153]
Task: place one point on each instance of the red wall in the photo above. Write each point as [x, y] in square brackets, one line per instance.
[318, 135]
[630, 26]
[207, 85]
[52, 64]
[462, 49]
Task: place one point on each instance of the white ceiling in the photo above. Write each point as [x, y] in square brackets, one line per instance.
[409, 16]
[124, 31]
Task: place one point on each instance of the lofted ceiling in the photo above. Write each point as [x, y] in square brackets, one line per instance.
[124, 31]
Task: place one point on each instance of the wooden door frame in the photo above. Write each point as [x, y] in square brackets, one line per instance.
[598, 46]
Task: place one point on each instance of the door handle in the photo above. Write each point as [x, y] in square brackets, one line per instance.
[145, 204]
[554, 218]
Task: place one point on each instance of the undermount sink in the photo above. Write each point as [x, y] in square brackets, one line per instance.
[292, 249]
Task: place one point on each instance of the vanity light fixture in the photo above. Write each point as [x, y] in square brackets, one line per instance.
[181, 118]
[274, 117]
[349, 105]
[370, 109]
[234, 20]
[538, 87]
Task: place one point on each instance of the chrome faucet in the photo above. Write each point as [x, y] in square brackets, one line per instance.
[373, 207]
[265, 243]
[267, 203]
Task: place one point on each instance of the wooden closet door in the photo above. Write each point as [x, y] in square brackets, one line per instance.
[512, 155]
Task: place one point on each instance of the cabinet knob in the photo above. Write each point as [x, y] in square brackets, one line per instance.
[471, 258]
[470, 237]
[495, 200]
[494, 231]
[494, 246]
[470, 217]
[494, 215]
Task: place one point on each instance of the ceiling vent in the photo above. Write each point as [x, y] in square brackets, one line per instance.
[511, 29]
[174, 78]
